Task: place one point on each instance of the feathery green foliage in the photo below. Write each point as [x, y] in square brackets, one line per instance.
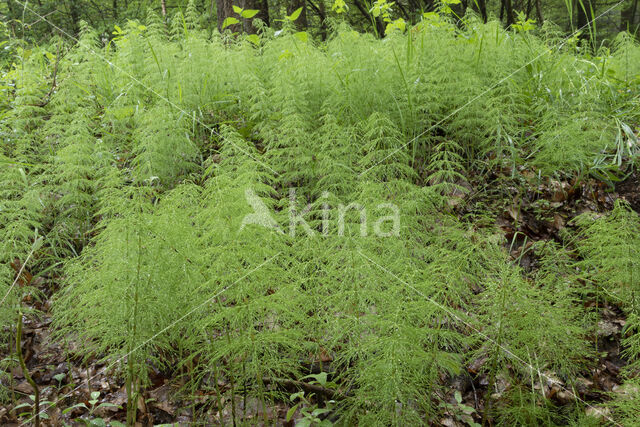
[143, 165]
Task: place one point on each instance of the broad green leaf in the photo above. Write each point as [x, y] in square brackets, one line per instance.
[467, 409]
[296, 13]
[71, 408]
[22, 405]
[297, 395]
[339, 6]
[107, 405]
[237, 10]
[320, 411]
[249, 13]
[253, 38]
[398, 24]
[292, 411]
[229, 21]
[320, 378]
[432, 16]
[98, 422]
[302, 36]
[285, 54]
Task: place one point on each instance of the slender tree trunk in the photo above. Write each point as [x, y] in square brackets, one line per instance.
[163, 6]
[506, 8]
[115, 9]
[539, 15]
[482, 8]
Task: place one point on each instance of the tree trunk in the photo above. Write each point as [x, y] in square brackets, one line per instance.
[247, 24]
[482, 8]
[115, 9]
[539, 12]
[225, 10]
[506, 10]
[163, 6]
[263, 6]
[301, 22]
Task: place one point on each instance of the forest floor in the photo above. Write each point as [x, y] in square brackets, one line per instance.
[527, 210]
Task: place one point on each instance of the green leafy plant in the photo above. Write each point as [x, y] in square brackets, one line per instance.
[92, 408]
[610, 247]
[462, 412]
[140, 158]
[311, 414]
[33, 409]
